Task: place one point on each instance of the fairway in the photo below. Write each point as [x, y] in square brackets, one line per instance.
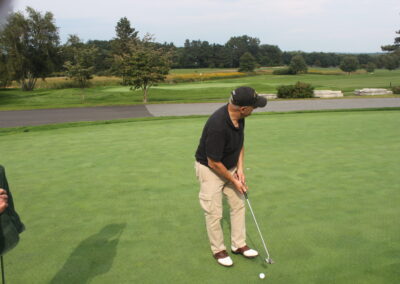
[190, 92]
[117, 203]
[184, 86]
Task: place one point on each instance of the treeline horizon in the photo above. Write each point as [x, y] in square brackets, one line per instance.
[199, 53]
[30, 48]
[202, 54]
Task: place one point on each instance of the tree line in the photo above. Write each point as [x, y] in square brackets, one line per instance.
[202, 54]
[30, 49]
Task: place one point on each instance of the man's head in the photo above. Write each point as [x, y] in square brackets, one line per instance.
[246, 100]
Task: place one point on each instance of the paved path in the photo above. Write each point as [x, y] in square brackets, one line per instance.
[50, 116]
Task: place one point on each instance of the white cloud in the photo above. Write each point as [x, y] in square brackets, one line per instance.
[241, 9]
[5, 9]
[290, 24]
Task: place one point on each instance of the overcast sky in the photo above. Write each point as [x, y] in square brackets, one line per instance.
[307, 25]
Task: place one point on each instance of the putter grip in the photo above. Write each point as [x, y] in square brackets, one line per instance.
[245, 194]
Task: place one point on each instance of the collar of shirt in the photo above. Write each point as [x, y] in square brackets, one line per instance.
[229, 120]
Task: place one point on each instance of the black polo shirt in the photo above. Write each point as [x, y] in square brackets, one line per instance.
[221, 140]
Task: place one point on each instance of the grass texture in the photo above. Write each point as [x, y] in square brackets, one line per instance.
[118, 203]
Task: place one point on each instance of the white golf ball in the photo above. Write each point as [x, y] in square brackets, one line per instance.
[262, 275]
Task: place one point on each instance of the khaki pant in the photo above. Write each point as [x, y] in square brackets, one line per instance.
[212, 186]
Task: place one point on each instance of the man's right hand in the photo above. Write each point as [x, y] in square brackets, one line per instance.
[223, 172]
[241, 187]
[3, 200]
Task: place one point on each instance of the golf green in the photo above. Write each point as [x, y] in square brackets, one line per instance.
[117, 203]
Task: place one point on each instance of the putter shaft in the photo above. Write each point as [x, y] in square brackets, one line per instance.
[258, 228]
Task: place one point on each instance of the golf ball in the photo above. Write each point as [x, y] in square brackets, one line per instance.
[262, 275]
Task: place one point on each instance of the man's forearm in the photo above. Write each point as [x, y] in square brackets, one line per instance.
[220, 169]
[240, 165]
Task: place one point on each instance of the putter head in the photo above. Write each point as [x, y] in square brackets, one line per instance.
[269, 260]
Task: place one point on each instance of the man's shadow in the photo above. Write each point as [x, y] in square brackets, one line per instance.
[92, 257]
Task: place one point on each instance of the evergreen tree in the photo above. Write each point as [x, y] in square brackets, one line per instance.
[393, 47]
[121, 46]
[247, 62]
[391, 61]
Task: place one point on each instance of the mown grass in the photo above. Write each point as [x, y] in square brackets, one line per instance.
[118, 203]
[207, 91]
[202, 70]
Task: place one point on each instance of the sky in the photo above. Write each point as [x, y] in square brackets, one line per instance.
[354, 26]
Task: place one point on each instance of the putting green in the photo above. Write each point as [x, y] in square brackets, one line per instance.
[117, 203]
[117, 89]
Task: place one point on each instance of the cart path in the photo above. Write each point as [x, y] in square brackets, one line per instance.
[17, 118]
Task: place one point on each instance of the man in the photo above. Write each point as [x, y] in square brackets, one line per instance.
[219, 169]
[10, 223]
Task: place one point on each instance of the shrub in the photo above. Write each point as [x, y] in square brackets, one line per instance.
[283, 71]
[396, 90]
[299, 90]
[285, 91]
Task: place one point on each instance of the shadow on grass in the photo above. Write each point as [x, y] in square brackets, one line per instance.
[92, 257]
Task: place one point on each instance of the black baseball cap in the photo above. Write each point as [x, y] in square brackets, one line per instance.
[246, 96]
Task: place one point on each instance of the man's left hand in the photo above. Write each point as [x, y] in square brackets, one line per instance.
[3, 200]
[240, 176]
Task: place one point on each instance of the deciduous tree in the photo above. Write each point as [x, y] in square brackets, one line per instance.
[147, 65]
[391, 61]
[370, 67]
[269, 55]
[241, 44]
[349, 64]
[80, 67]
[298, 65]
[30, 44]
[4, 75]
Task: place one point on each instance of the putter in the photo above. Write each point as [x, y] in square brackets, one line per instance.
[268, 259]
